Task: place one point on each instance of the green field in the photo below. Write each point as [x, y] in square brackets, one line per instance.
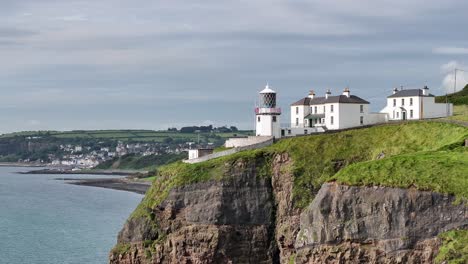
[129, 135]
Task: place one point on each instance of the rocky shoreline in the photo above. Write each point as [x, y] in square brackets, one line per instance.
[131, 183]
[121, 184]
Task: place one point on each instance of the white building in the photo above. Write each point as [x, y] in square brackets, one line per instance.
[413, 104]
[331, 113]
[267, 115]
[198, 153]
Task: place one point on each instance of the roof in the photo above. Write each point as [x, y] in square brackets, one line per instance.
[310, 116]
[267, 90]
[409, 92]
[342, 99]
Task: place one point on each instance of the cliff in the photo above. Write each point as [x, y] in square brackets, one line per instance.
[275, 205]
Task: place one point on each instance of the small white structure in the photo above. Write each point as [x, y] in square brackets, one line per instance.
[198, 153]
[267, 115]
[331, 113]
[413, 104]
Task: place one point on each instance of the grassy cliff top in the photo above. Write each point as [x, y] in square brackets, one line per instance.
[426, 155]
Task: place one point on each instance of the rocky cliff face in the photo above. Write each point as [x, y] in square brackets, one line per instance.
[375, 225]
[248, 219]
[228, 221]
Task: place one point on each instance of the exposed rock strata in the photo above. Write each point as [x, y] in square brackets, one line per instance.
[247, 219]
[375, 224]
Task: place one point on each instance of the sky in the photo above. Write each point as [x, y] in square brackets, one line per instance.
[115, 64]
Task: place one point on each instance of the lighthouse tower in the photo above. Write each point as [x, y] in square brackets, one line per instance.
[267, 114]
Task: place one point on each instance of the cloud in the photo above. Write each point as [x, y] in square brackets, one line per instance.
[448, 82]
[450, 51]
[73, 18]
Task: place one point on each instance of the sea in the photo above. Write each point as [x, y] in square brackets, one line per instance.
[47, 221]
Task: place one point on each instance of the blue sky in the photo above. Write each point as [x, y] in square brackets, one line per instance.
[109, 64]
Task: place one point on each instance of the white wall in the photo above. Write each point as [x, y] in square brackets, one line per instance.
[267, 127]
[415, 107]
[296, 131]
[329, 114]
[434, 110]
[303, 110]
[241, 142]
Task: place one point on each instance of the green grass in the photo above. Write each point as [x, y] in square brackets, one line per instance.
[316, 159]
[460, 113]
[454, 249]
[126, 135]
[439, 171]
[137, 162]
[426, 155]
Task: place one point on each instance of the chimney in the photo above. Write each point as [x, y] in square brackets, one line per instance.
[347, 92]
[327, 94]
[395, 90]
[425, 90]
[311, 94]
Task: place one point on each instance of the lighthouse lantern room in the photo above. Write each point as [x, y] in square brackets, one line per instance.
[267, 114]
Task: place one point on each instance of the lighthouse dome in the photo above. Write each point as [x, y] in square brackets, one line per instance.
[267, 90]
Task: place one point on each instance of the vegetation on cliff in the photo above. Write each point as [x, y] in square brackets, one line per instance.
[424, 155]
[138, 162]
[316, 159]
[458, 98]
[454, 249]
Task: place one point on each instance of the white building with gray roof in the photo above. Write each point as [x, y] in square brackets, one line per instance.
[415, 104]
[331, 113]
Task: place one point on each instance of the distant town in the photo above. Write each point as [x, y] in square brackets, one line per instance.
[90, 149]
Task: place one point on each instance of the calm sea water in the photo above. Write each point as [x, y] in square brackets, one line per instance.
[43, 220]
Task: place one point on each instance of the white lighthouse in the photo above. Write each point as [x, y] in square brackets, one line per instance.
[267, 114]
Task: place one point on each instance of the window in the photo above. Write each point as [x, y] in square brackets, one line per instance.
[361, 108]
[402, 101]
[274, 118]
[394, 102]
[297, 121]
[258, 119]
[289, 131]
[361, 121]
[331, 108]
[297, 110]
[315, 109]
[411, 113]
[331, 120]
[397, 114]
[393, 116]
[305, 131]
[323, 109]
[411, 101]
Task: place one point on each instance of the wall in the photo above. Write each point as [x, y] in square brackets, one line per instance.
[433, 110]
[392, 110]
[299, 131]
[303, 111]
[241, 142]
[267, 127]
[269, 141]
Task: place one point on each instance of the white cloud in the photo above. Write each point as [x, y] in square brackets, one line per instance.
[450, 50]
[448, 83]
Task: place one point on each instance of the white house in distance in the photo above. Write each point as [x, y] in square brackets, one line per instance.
[331, 112]
[413, 104]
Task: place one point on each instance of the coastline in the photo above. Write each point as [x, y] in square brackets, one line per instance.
[21, 165]
[121, 184]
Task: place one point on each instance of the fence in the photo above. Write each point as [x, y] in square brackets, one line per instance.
[266, 143]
